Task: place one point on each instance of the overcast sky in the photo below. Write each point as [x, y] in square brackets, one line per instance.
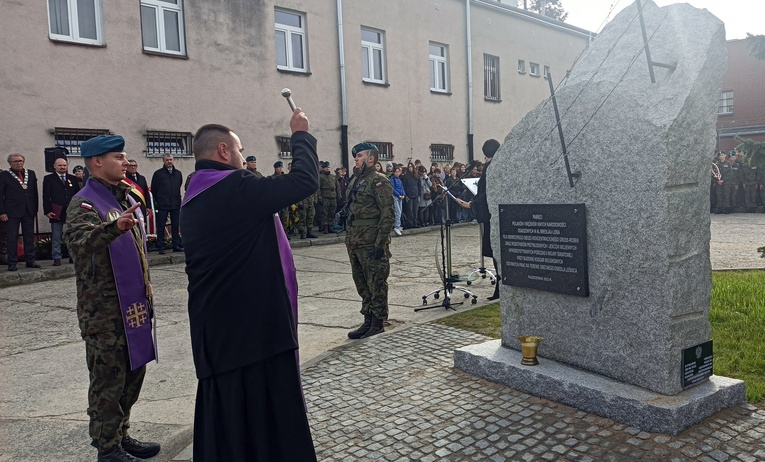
[739, 16]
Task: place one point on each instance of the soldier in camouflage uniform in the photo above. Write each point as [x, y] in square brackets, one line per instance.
[283, 213]
[329, 191]
[724, 186]
[114, 384]
[370, 221]
[306, 215]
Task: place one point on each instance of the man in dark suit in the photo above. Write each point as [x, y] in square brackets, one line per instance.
[58, 190]
[166, 188]
[140, 190]
[18, 205]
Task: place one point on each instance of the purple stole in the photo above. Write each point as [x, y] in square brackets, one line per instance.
[128, 276]
[206, 178]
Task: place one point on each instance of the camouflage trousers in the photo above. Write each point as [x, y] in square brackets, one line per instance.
[113, 390]
[753, 191]
[723, 193]
[306, 212]
[327, 213]
[371, 279]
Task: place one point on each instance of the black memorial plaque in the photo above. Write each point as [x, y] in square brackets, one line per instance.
[544, 247]
[697, 364]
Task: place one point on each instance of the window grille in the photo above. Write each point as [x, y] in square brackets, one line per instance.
[521, 66]
[386, 150]
[491, 77]
[176, 144]
[534, 69]
[285, 149]
[72, 138]
[442, 152]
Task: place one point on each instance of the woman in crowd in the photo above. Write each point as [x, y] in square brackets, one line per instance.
[412, 191]
[423, 210]
[398, 197]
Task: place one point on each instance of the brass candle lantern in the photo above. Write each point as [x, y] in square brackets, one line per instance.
[529, 347]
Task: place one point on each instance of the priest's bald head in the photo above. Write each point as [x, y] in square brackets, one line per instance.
[218, 143]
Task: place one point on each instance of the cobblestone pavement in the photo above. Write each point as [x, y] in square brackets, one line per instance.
[397, 397]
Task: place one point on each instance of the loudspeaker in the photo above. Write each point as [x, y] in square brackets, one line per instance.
[51, 154]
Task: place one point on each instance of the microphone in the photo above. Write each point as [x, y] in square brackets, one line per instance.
[288, 94]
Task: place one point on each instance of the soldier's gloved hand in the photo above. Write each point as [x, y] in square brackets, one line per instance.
[377, 253]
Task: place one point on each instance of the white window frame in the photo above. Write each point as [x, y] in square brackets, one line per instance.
[160, 8]
[74, 27]
[491, 78]
[725, 105]
[534, 69]
[290, 32]
[370, 48]
[72, 138]
[521, 66]
[546, 72]
[439, 63]
[163, 143]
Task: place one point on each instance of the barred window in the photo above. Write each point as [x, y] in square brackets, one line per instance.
[285, 149]
[491, 77]
[176, 144]
[534, 69]
[72, 138]
[441, 152]
[547, 72]
[386, 150]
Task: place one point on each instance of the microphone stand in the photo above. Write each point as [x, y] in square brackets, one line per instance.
[447, 277]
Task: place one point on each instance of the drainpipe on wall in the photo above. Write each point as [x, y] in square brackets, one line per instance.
[343, 97]
[470, 80]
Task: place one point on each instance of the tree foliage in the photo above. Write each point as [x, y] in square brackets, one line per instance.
[553, 8]
[756, 45]
[754, 152]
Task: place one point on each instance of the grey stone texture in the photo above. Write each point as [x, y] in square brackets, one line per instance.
[628, 404]
[643, 150]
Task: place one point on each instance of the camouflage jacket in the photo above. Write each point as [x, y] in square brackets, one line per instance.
[87, 238]
[372, 211]
[328, 185]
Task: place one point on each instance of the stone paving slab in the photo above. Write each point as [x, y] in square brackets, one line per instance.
[397, 397]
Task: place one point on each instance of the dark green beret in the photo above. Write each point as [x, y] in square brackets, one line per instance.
[364, 147]
[251, 159]
[101, 145]
[78, 168]
[278, 164]
[324, 164]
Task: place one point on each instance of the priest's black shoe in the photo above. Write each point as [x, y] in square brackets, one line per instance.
[139, 448]
[117, 455]
[311, 235]
[362, 329]
[33, 265]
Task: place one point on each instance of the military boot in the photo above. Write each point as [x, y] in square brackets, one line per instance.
[362, 329]
[117, 455]
[375, 328]
[326, 230]
[311, 235]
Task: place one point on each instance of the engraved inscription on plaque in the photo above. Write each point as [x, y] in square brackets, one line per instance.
[544, 247]
[697, 363]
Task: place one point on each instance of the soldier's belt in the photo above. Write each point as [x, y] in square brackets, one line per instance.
[364, 222]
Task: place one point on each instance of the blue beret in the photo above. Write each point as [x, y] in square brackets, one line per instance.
[364, 147]
[102, 144]
[278, 164]
[251, 159]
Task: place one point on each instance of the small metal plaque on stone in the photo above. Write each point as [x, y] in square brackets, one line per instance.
[544, 247]
[697, 364]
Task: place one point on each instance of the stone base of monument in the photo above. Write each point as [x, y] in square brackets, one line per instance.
[628, 404]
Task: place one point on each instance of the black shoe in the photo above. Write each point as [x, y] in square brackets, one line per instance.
[375, 328]
[161, 251]
[12, 267]
[311, 235]
[57, 262]
[33, 265]
[70, 260]
[139, 448]
[117, 454]
[362, 329]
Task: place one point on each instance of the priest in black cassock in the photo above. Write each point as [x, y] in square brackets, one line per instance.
[243, 301]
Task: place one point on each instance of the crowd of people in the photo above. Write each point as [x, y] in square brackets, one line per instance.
[737, 183]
